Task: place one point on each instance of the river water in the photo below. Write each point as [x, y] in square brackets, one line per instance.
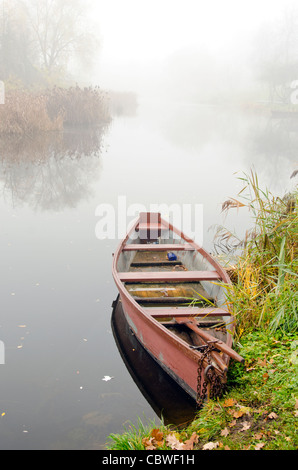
[56, 285]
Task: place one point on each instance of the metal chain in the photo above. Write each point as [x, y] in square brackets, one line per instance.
[216, 384]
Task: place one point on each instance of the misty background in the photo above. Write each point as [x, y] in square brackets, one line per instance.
[166, 50]
[197, 51]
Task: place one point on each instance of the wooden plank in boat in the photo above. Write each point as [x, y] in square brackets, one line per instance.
[185, 292]
[178, 276]
[158, 247]
[187, 312]
[148, 264]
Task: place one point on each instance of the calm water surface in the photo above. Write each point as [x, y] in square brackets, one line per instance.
[56, 285]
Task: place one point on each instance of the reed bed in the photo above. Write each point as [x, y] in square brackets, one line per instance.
[26, 113]
[29, 113]
[79, 106]
[264, 291]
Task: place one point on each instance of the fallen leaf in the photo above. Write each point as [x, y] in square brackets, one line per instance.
[148, 444]
[259, 436]
[245, 427]
[188, 445]
[265, 376]
[225, 432]
[210, 446]
[174, 443]
[244, 409]
[157, 434]
[238, 414]
[272, 415]
[229, 402]
[233, 423]
[262, 363]
[157, 437]
[107, 378]
[259, 446]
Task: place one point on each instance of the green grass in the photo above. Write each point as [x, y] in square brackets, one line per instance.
[132, 438]
[260, 407]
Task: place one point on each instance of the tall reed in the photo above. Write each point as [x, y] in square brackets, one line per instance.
[264, 292]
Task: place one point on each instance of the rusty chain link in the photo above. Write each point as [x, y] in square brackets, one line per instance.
[217, 386]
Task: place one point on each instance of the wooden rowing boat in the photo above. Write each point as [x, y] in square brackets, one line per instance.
[173, 296]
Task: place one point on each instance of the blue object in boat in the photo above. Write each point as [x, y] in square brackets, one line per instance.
[172, 257]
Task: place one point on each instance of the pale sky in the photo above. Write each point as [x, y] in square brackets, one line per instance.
[149, 29]
[144, 31]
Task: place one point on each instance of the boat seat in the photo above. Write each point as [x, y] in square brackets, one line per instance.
[158, 247]
[165, 276]
[187, 312]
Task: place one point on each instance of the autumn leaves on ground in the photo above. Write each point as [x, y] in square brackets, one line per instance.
[158, 439]
[259, 410]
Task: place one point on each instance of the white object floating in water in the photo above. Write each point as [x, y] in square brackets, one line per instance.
[107, 378]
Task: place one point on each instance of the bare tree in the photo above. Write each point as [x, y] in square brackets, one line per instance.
[16, 58]
[276, 55]
[60, 32]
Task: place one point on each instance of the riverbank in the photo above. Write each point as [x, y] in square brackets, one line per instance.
[260, 408]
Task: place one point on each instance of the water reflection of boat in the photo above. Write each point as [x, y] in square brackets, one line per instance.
[193, 344]
[162, 393]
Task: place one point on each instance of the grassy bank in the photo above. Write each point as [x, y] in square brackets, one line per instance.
[260, 407]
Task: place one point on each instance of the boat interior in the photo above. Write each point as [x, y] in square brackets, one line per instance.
[176, 284]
